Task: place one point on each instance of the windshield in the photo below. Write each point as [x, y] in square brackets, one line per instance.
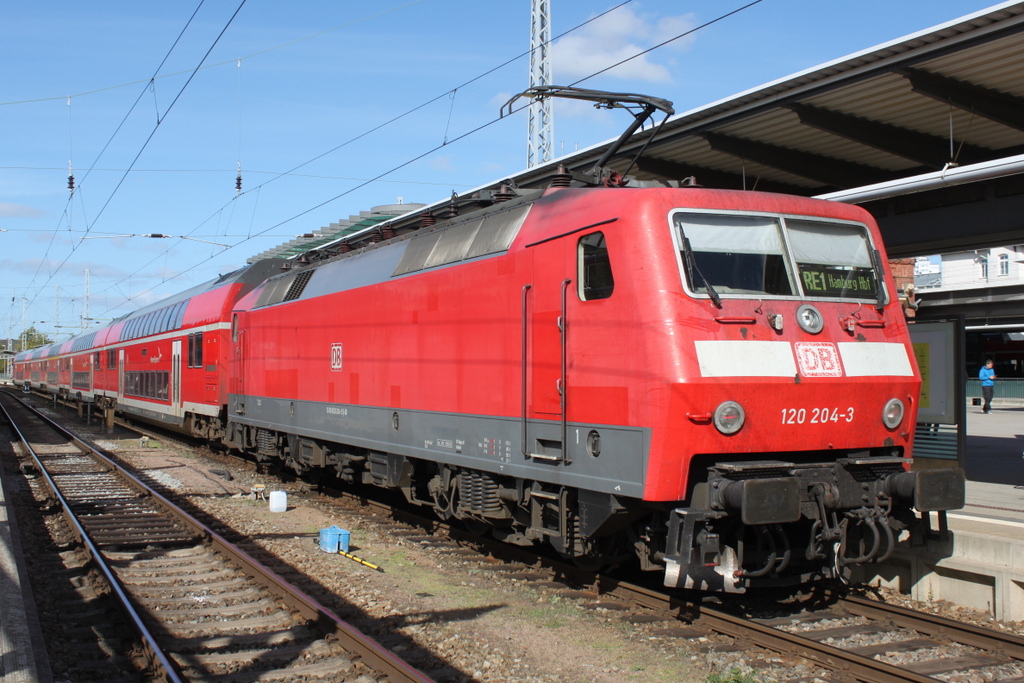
[832, 260]
[747, 255]
[735, 254]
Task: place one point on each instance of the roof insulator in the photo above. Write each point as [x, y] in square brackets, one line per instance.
[561, 177]
[504, 193]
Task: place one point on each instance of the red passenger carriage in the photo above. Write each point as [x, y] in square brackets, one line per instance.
[165, 363]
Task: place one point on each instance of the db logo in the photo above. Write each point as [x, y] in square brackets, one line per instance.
[335, 357]
[818, 359]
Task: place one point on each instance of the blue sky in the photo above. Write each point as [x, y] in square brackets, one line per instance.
[294, 95]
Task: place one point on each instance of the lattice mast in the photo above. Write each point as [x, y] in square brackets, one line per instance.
[541, 133]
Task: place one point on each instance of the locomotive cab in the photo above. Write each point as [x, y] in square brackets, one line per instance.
[800, 403]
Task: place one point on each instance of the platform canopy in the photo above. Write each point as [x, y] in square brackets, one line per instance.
[933, 123]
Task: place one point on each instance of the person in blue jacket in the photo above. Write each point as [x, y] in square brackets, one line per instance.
[987, 375]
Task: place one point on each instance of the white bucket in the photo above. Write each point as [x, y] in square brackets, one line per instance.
[278, 501]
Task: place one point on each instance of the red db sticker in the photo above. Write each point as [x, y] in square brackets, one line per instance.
[818, 359]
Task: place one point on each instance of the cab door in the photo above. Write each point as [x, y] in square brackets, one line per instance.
[545, 323]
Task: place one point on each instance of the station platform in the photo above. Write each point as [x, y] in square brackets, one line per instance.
[23, 656]
[981, 564]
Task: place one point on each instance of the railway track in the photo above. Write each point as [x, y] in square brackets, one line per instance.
[200, 609]
[848, 638]
[844, 638]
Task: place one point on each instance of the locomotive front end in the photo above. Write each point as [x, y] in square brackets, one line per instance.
[793, 426]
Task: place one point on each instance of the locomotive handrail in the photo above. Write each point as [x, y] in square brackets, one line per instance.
[525, 294]
[563, 390]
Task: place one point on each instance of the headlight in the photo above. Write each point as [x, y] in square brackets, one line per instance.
[892, 415]
[729, 417]
[809, 319]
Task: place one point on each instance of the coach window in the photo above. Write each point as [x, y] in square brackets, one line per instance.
[179, 314]
[165, 318]
[595, 268]
[195, 350]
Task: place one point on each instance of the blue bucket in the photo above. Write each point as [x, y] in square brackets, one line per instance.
[329, 539]
[334, 539]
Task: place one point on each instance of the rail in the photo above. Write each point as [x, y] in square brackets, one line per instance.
[351, 639]
[154, 653]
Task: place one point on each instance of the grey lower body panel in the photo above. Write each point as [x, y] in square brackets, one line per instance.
[487, 443]
[152, 416]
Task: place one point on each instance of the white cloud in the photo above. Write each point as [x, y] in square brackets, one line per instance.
[616, 37]
[19, 211]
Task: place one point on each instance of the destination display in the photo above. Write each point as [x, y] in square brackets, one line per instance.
[837, 281]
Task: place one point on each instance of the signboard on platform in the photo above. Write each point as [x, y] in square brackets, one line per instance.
[940, 434]
[935, 351]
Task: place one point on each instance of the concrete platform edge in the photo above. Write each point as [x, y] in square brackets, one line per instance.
[974, 569]
[23, 656]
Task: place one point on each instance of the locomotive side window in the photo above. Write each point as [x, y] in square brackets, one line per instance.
[725, 254]
[832, 259]
[595, 268]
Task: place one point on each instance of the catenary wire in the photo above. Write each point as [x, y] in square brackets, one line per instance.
[217, 64]
[181, 91]
[419, 156]
[447, 93]
[291, 171]
[448, 142]
[67, 210]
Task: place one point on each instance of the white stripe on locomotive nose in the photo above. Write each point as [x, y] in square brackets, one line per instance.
[745, 359]
[875, 359]
[775, 359]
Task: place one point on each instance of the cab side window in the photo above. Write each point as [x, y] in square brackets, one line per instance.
[594, 268]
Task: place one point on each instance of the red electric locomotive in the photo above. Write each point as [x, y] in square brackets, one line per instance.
[718, 383]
